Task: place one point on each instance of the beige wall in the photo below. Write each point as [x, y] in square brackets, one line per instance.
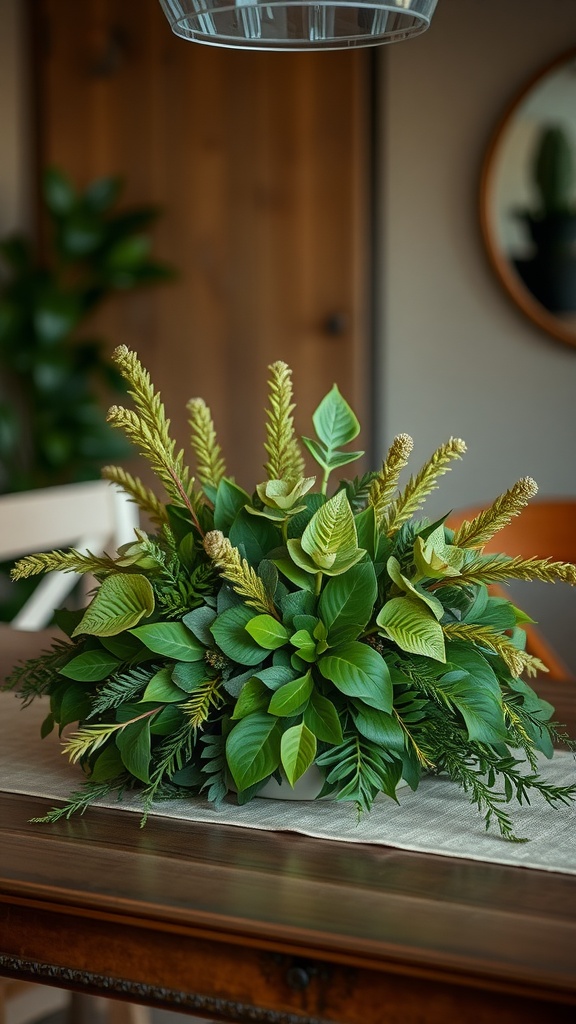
[14, 142]
[456, 357]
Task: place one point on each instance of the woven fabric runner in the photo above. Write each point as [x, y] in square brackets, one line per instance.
[438, 818]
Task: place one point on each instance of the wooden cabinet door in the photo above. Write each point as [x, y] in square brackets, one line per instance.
[260, 164]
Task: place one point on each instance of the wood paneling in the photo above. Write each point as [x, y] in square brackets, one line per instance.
[260, 163]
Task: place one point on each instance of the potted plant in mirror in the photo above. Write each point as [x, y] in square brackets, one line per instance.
[312, 622]
[550, 272]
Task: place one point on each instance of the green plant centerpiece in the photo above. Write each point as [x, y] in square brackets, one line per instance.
[249, 636]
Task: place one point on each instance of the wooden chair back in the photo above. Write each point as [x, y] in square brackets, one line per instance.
[546, 528]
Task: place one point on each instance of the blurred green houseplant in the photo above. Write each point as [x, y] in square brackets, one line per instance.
[53, 377]
[52, 429]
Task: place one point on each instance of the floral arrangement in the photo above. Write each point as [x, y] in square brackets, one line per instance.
[253, 635]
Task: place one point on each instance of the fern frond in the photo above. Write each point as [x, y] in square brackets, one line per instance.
[34, 677]
[420, 486]
[64, 561]
[500, 568]
[485, 636]
[146, 500]
[478, 531]
[82, 799]
[203, 700]
[285, 461]
[385, 484]
[149, 429]
[238, 571]
[210, 465]
[123, 687]
[90, 738]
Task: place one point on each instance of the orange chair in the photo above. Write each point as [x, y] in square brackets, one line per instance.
[544, 529]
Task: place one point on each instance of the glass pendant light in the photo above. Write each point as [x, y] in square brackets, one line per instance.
[298, 24]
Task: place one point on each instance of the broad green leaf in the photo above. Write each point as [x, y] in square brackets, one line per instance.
[499, 613]
[188, 676]
[230, 500]
[291, 697]
[161, 688]
[91, 666]
[403, 583]
[120, 602]
[229, 632]
[76, 705]
[199, 621]
[171, 639]
[331, 531]
[275, 676]
[305, 644]
[435, 558]
[378, 726]
[359, 671]
[295, 572]
[467, 659]
[334, 421]
[481, 710]
[267, 632]
[254, 696]
[299, 602]
[133, 742]
[413, 627]
[322, 719]
[253, 749]
[167, 721]
[108, 765]
[124, 646]
[347, 600]
[254, 537]
[367, 531]
[297, 751]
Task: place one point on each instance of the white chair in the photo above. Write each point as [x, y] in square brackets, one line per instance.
[94, 516]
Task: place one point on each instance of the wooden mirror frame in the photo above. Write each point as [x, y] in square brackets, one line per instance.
[505, 273]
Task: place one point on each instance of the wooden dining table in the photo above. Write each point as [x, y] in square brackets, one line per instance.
[241, 925]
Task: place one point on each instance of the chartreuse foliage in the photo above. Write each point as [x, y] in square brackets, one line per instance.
[256, 634]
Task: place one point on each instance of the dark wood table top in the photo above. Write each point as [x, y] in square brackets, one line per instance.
[240, 924]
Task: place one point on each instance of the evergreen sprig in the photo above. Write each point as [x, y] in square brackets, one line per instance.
[62, 561]
[285, 461]
[485, 636]
[210, 464]
[481, 529]
[420, 486]
[239, 572]
[384, 486]
[501, 568]
[144, 497]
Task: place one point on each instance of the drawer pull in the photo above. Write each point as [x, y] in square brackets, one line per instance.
[297, 978]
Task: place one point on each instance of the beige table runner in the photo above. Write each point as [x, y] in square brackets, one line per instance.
[436, 819]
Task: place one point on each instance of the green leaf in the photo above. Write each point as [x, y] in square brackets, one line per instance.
[329, 542]
[167, 721]
[121, 601]
[290, 698]
[481, 710]
[275, 676]
[230, 500]
[413, 627]
[409, 588]
[229, 632]
[297, 751]
[305, 645]
[76, 705]
[334, 421]
[299, 602]
[59, 194]
[188, 676]
[108, 765]
[199, 620]
[267, 632]
[359, 671]
[347, 601]
[378, 726]
[254, 696]
[322, 719]
[296, 573]
[253, 749]
[133, 742]
[254, 537]
[161, 688]
[91, 666]
[171, 639]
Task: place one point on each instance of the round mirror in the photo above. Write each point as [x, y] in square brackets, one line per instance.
[528, 199]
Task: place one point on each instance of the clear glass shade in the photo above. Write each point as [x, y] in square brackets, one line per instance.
[297, 24]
